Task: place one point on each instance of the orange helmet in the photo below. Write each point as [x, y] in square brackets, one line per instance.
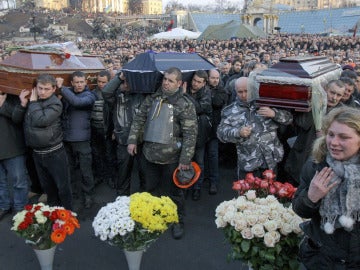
[186, 178]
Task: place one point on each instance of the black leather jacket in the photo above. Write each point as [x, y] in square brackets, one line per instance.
[43, 123]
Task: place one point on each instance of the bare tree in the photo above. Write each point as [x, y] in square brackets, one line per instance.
[135, 6]
[174, 5]
[221, 4]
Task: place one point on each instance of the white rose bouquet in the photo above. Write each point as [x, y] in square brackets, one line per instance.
[262, 231]
[135, 222]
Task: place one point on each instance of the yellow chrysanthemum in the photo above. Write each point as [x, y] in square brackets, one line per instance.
[153, 213]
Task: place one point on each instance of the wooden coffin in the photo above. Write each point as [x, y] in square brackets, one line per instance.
[20, 70]
[292, 81]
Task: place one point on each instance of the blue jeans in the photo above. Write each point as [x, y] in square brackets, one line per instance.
[14, 183]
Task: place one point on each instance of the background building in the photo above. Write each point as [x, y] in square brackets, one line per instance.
[52, 4]
[118, 6]
[152, 7]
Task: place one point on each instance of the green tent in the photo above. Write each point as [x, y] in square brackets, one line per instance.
[231, 29]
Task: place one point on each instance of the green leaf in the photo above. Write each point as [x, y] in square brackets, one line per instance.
[254, 250]
[267, 254]
[245, 246]
[294, 264]
[278, 249]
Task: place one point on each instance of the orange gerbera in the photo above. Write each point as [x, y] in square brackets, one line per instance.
[58, 236]
[63, 214]
[69, 228]
[74, 221]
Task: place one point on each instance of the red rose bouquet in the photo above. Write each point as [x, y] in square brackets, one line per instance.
[265, 186]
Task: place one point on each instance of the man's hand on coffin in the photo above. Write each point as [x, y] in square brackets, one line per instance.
[2, 98]
[245, 131]
[122, 76]
[266, 112]
[184, 87]
[34, 95]
[24, 97]
[59, 82]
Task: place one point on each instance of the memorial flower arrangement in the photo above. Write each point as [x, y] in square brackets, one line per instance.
[43, 226]
[265, 186]
[135, 222]
[262, 231]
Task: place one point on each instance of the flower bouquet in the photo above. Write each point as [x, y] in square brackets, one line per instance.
[263, 232]
[43, 226]
[265, 186]
[135, 222]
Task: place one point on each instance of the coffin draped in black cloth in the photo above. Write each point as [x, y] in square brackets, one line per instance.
[145, 72]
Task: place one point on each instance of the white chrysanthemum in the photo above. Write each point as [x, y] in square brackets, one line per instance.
[114, 219]
[103, 237]
[40, 218]
[46, 207]
[18, 218]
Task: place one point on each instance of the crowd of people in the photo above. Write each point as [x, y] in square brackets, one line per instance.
[97, 135]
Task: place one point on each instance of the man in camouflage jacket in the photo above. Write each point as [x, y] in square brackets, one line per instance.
[167, 125]
[253, 130]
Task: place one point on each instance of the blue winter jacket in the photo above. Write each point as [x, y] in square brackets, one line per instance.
[77, 109]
